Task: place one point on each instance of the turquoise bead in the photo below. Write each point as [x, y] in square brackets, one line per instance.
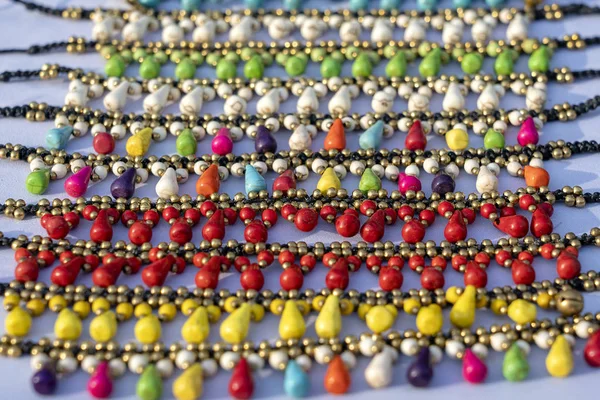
[191, 5]
[150, 3]
[371, 138]
[254, 4]
[295, 381]
[390, 4]
[461, 3]
[357, 5]
[254, 182]
[57, 138]
[292, 4]
[426, 5]
[495, 3]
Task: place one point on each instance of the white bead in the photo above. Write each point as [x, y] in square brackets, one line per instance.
[392, 172]
[67, 365]
[101, 171]
[454, 99]
[486, 181]
[382, 102]
[480, 30]
[349, 359]
[290, 122]
[300, 139]
[301, 172]
[500, 126]
[470, 165]
[260, 166]
[311, 29]
[278, 359]
[242, 32]
[76, 165]
[76, 98]
[517, 28]
[505, 15]
[350, 31]
[280, 28]
[37, 163]
[498, 341]
[172, 34]
[80, 128]
[304, 362]
[418, 102]
[118, 131]
[38, 361]
[191, 103]
[435, 354]
[182, 175]
[228, 360]
[308, 102]
[524, 346]
[269, 103]
[514, 117]
[513, 168]
[405, 90]
[437, 22]
[453, 32]
[453, 347]
[368, 21]
[378, 373]
[60, 170]
[167, 186]
[480, 128]
[237, 170]
[340, 171]
[460, 126]
[480, 350]
[357, 167]
[116, 99]
[382, 31]
[489, 99]
[61, 120]
[440, 127]
[378, 170]
[117, 367]
[340, 103]
[323, 354]
[415, 31]
[213, 127]
[204, 34]
[409, 347]
[452, 170]
[142, 174]
[582, 329]
[165, 368]
[236, 133]
[184, 358]
[156, 167]
[223, 173]
[541, 339]
[235, 105]
[335, 21]
[366, 346]
[209, 367]
[413, 170]
[494, 168]
[319, 165]
[430, 164]
[89, 363]
[280, 165]
[255, 361]
[335, 83]
[176, 128]
[535, 99]
[155, 102]
[570, 339]
[198, 166]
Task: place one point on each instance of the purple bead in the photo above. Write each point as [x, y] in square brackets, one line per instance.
[44, 381]
[124, 186]
[442, 184]
[265, 142]
[420, 372]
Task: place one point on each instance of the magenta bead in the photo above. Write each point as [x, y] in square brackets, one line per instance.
[222, 143]
[528, 133]
[474, 370]
[408, 182]
[77, 184]
[100, 385]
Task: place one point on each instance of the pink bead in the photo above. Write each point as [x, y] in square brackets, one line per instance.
[100, 385]
[77, 184]
[528, 133]
[222, 143]
[474, 370]
[408, 182]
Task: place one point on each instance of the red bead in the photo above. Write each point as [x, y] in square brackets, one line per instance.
[247, 214]
[199, 259]
[415, 262]
[214, 227]
[180, 232]
[57, 227]
[132, 266]
[347, 225]
[306, 219]
[567, 265]
[207, 278]
[269, 217]
[89, 212]
[92, 261]
[179, 265]
[507, 211]
[516, 226]
[265, 257]
[482, 258]
[156, 273]
[65, 274]
[104, 143]
[207, 208]
[256, 232]
[525, 256]
[153, 254]
[413, 231]
[308, 262]
[469, 214]
[252, 278]
[241, 263]
[396, 262]
[27, 270]
[152, 217]
[113, 215]
[522, 273]
[456, 229]
[288, 211]
[286, 256]
[140, 233]
[65, 256]
[170, 213]
[328, 213]
[329, 259]
[525, 201]
[502, 256]
[241, 385]
[475, 275]
[72, 219]
[427, 216]
[458, 261]
[101, 230]
[547, 208]
[354, 263]
[373, 230]
[445, 207]
[405, 211]
[285, 181]
[439, 262]
[22, 254]
[432, 279]
[390, 278]
[107, 274]
[128, 218]
[591, 352]
[390, 216]
[373, 261]
[230, 216]
[546, 250]
[291, 278]
[338, 276]
[415, 138]
[541, 224]
[193, 215]
[367, 207]
[45, 258]
[487, 209]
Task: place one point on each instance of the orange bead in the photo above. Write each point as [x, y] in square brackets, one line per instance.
[336, 138]
[209, 182]
[337, 378]
[536, 176]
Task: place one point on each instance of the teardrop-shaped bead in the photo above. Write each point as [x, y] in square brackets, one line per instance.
[291, 325]
[186, 69]
[369, 181]
[362, 66]
[328, 180]
[101, 230]
[373, 230]
[396, 67]
[337, 378]
[559, 361]
[44, 381]
[493, 139]
[407, 183]
[454, 100]
[330, 67]
[515, 367]
[336, 137]
[67, 325]
[516, 226]
[149, 386]
[115, 66]
[489, 99]
[222, 144]
[137, 145]
[148, 329]
[116, 99]
[415, 139]
[329, 322]
[285, 181]
[57, 138]
[269, 103]
[522, 311]
[431, 63]
[191, 103]
[300, 139]
[462, 314]
[457, 139]
[234, 328]
[186, 144]
[17, 322]
[308, 102]
[241, 384]
[380, 318]
[100, 385]
[430, 319]
[504, 64]
[155, 102]
[378, 373]
[209, 182]
[104, 327]
[539, 61]
[341, 102]
[471, 63]
[124, 185]
[76, 185]
[254, 68]
[264, 141]
[420, 371]
[591, 352]
[528, 133]
[536, 176]
[486, 180]
[371, 138]
[189, 385]
[149, 68]
[474, 369]
[296, 382]
[196, 329]
[254, 182]
[37, 181]
[167, 185]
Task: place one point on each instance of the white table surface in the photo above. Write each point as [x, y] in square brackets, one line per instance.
[20, 28]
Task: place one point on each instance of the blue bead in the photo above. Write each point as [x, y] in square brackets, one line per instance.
[150, 3]
[461, 3]
[295, 381]
[425, 5]
[292, 4]
[390, 4]
[371, 138]
[124, 186]
[254, 181]
[495, 3]
[254, 4]
[191, 5]
[357, 5]
[57, 138]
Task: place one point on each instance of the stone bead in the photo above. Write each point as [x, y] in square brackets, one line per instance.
[462, 314]
[539, 61]
[149, 386]
[329, 321]
[100, 385]
[493, 139]
[362, 66]
[124, 185]
[67, 325]
[296, 381]
[420, 372]
[515, 367]
[186, 69]
[472, 63]
[379, 372]
[226, 69]
[528, 133]
[369, 181]
[104, 327]
[396, 67]
[254, 68]
[336, 137]
[254, 182]
[189, 385]
[57, 138]
[167, 186]
[44, 381]
[234, 328]
[196, 329]
[186, 143]
[380, 318]
[222, 143]
[522, 311]
[209, 182]
[148, 329]
[115, 66]
[371, 138]
[535, 176]
[295, 66]
[442, 183]
[504, 64]
[474, 369]
[149, 68]
[431, 63]
[138, 144]
[76, 185]
[559, 361]
[37, 181]
[291, 325]
[457, 139]
[330, 67]
[328, 180]
[430, 319]
[264, 141]
[17, 322]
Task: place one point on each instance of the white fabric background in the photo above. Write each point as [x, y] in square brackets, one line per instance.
[20, 28]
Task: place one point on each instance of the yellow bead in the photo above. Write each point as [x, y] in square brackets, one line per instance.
[17, 322]
[188, 386]
[57, 303]
[521, 311]
[380, 319]
[257, 312]
[318, 302]
[363, 309]
[36, 307]
[104, 327]
[230, 304]
[11, 300]
[346, 307]
[303, 306]
[430, 319]
[214, 313]
[276, 306]
[392, 309]
[452, 294]
[462, 314]
[67, 325]
[167, 312]
[457, 139]
[138, 144]
[196, 329]
[329, 322]
[543, 300]
[291, 324]
[411, 305]
[100, 305]
[142, 309]
[329, 180]
[482, 302]
[188, 306]
[559, 361]
[497, 306]
[82, 309]
[234, 328]
[148, 330]
[124, 311]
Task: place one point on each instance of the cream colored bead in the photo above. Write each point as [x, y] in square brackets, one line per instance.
[413, 170]
[67, 365]
[59, 171]
[415, 31]
[155, 102]
[392, 172]
[308, 102]
[278, 359]
[470, 165]
[36, 164]
[499, 341]
[480, 350]
[142, 174]
[209, 367]
[382, 102]
[165, 368]
[366, 346]
[452, 170]
[172, 34]
[304, 362]
[80, 128]
[228, 360]
[517, 28]
[378, 170]
[301, 172]
[349, 359]
[513, 168]
[524, 346]
[435, 354]
[481, 31]
[300, 139]
[382, 31]
[378, 373]
[118, 131]
[454, 99]
[340, 171]
[418, 102]
[323, 354]
[409, 347]
[430, 164]
[350, 31]
[137, 363]
[453, 32]
[486, 181]
[541, 339]
[340, 103]
[489, 100]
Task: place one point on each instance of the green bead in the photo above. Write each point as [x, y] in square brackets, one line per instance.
[197, 58]
[471, 63]
[411, 55]
[247, 53]
[139, 54]
[161, 57]
[318, 54]
[232, 57]
[295, 66]
[303, 57]
[504, 64]
[186, 143]
[539, 61]
[267, 59]
[362, 67]
[515, 367]
[369, 181]
[352, 52]
[149, 68]
[528, 45]
[186, 69]
[254, 69]
[37, 181]
[115, 66]
[149, 386]
[492, 48]
[176, 56]
[493, 139]
[338, 56]
[457, 53]
[213, 59]
[431, 63]
[423, 49]
[330, 67]
[108, 51]
[389, 51]
[226, 69]
[396, 67]
[281, 58]
[127, 56]
[374, 57]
